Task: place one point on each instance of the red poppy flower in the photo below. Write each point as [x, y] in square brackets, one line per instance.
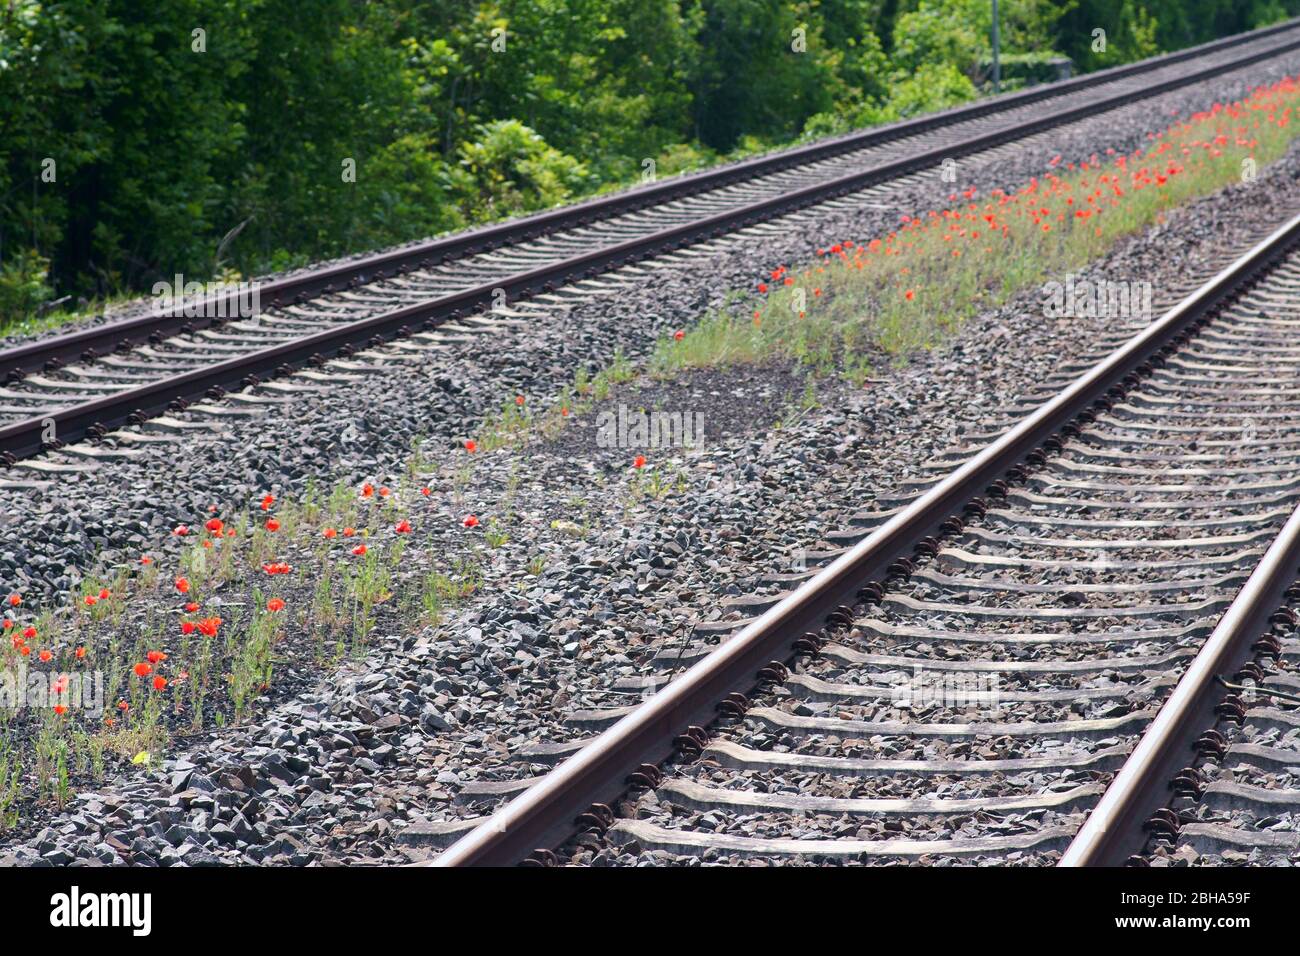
[638, 461]
[909, 295]
[90, 600]
[155, 657]
[519, 399]
[367, 490]
[9, 622]
[275, 604]
[402, 527]
[192, 606]
[80, 652]
[182, 585]
[207, 544]
[214, 525]
[208, 626]
[679, 335]
[25, 650]
[104, 594]
[273, 526]
[46, 656]
[267, 501]
[564, 412]
[762, 287]
[60, 709]
[383, 491]
[187, 627]
[145, 559]
[160, 683]
[471, 521]
[15, 600]
[471, 445]
[359, 549]
[426, 492]
[142, 669]
[29, 633]
[181, 530]
[349, 532]
[330, 533]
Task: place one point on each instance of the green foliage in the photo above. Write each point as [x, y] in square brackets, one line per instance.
[514, 169]
[22, 283]
[932, 86]
[1139, 28]
[127, 155]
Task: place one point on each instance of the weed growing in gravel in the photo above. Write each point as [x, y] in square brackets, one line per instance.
[598, 387]
[324, 613]
[438, 589]
[908, 289]
[857, 369]
[417, 464]
[657, 482]
[460, 482]
[90, 751]
[205, 648]
[433, 593]
[550, 424]
[11, 777]
[51, 764]
[495, 535]
[508, 428]
[251, 662]
[366, 584]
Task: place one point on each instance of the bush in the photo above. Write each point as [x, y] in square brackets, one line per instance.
[23, 287]
[514, 170]
[932, 86]
[683, 158]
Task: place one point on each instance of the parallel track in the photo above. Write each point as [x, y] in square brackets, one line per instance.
[1109, 559]
[83, 384]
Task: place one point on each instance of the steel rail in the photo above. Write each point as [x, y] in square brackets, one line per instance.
[1114, 829]
[96, 417]
[540, 818]
[103, 339]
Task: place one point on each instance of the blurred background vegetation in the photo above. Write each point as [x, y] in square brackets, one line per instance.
[160, 152]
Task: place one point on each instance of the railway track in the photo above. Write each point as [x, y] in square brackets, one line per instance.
[1020, 659]
[65, 392]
